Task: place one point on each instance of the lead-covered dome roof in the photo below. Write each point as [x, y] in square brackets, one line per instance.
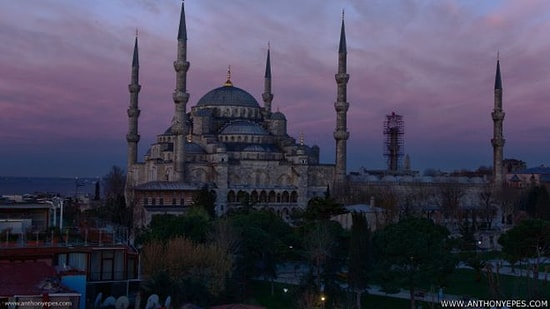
[228, 96]
[243, 127]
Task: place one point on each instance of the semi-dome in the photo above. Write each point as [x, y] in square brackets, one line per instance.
[243, 127]
[278, 116]
[228, 96]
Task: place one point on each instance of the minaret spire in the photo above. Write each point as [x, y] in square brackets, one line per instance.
[267, 96]
[133, 111]
[498, 136]
[180, 96]
[341, 106]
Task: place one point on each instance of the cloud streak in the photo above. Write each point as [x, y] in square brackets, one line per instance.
[66, 66]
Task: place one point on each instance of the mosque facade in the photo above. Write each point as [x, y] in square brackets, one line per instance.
[231, 145]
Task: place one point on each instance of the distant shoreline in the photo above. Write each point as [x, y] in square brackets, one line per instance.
[65, 186]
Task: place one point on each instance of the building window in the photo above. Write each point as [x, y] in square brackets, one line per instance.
[153, 201]
[174, 201]
[161, 201]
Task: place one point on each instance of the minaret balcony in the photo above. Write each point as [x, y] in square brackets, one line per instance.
[342, 78]
[134, 88]
[180, 65]
[267, 97]
[133, 112]
[341, 106]
[132, 137]
[498, 115]
[341, 135]
[498, 142]
[180, 97]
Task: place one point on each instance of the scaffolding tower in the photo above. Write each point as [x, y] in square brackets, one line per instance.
[393, 141]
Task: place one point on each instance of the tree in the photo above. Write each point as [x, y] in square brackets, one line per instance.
[207, 200]
[194, 224]
[192, 271]
[411, 252]
[360, 259]
[530, 241]
[450, 195]
[323, 208]
[114, 182]
[264, 241]
[323, 244]
[115, 205]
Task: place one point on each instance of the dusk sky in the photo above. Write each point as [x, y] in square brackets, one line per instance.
[65, 69]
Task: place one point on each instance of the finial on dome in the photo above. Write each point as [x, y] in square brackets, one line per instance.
[228, 82]
[302, 139]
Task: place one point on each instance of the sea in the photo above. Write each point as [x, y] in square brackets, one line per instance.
[57, 185]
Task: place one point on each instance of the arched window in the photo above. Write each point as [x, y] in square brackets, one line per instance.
[294, 197]
[286, 198]
[263, 197]
[242, 196]
[231, 197]
[271, 197]
[254, 196]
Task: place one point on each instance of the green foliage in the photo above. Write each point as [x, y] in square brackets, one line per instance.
[265, 241]
[188, 271]
[536, 202]
[530, 238]
[360, 259]
[206, 199]
[323, 208]
[114, 182]
[413, 252]
[194, 224]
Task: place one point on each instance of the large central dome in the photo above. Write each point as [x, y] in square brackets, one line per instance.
[228, 96]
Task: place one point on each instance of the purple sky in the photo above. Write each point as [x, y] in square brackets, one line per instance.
[65, 67]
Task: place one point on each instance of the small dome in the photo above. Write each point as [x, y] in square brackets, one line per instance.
[228, 96]
[278, 116]
[191, 147]
[243, 127]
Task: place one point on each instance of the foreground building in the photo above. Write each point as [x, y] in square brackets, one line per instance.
[229, 143]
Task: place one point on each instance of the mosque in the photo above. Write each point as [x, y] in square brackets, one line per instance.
[239, 149]
[231, 145]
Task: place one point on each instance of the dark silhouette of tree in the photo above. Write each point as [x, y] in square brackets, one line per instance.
[319, 208]
[114, 182]
[207, 200]
[360, 259]
[264, 241]
[97, 195]
[528, 241]
[412, 252]
[536, 202]
[195, 224]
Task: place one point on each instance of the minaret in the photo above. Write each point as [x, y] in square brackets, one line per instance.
[341, 106]
[267, 96]
[498, 137]
[180, 96]
[133, 112]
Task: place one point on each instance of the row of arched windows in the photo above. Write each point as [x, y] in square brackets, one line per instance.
[262, 196]
[153, 201]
